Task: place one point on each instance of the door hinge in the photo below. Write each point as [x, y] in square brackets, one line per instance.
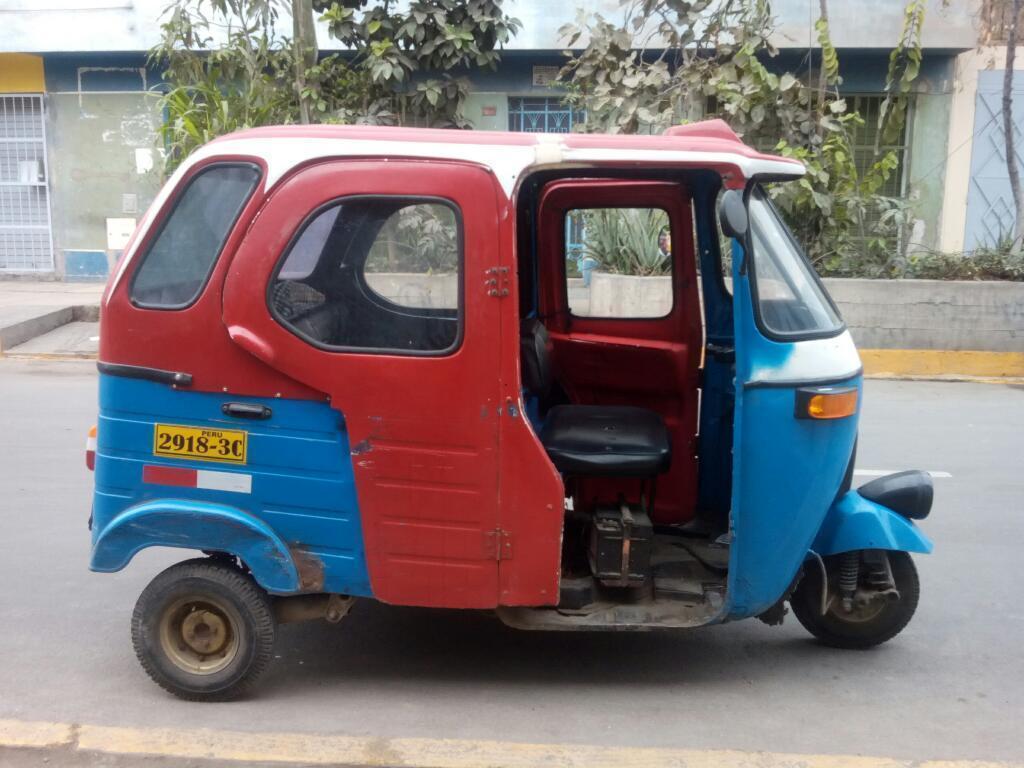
[497, 545]
[497, 283]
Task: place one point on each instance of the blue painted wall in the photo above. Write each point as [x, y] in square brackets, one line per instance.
[990, 208]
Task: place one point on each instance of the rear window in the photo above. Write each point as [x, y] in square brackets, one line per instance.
[178, 262]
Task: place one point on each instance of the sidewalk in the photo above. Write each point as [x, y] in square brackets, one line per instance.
[43, 318]
[47, 293]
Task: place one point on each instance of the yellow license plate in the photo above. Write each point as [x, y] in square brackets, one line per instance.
[196, 443]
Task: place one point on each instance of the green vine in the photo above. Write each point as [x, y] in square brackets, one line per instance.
[227, 65]
[715, 62]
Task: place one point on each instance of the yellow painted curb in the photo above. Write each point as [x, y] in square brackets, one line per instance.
[20, 733]
[244, 747]
[942, 363]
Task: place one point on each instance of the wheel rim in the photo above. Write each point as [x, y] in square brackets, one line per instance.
[199, 634]
[861, 614]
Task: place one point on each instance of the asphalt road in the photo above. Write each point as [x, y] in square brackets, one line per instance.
[949, 687]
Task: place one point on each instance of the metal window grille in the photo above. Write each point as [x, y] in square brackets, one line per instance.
[541, 114]
[26, 244]
[863, 140]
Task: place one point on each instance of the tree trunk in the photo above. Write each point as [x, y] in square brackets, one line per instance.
[1011, 152]
[305, 51]
[822, 74]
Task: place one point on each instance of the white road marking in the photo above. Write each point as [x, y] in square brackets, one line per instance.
[883, 472]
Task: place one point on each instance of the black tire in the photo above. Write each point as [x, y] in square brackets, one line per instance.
[839, 631]
[199, 606]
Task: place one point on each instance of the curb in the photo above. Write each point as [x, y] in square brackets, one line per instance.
[27, 329]
[48, 319]
[66, 357]
[942, 364]
[315, 749]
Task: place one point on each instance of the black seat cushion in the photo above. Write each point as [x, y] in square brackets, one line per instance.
[535, 354]
[606, 440]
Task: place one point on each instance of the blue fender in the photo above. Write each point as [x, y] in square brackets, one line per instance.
[197, 525]
[853, 523]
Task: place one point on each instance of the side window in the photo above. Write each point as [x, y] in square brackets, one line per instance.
[618, 262]
[177, 264]
[374, 273]
[414, 260]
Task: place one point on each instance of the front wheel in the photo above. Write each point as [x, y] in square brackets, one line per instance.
[876, 615]
[203, 630]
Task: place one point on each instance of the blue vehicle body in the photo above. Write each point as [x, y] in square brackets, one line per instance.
[297, 529]
[786, 470]
[854, 522]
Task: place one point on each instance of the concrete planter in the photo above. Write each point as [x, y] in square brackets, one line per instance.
[416, 290]
[932, 314]
[881, 314]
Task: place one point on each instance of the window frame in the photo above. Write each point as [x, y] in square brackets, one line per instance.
[576, 117]
[565, 268]
[750, 266]
[368, 292]
[165, 219]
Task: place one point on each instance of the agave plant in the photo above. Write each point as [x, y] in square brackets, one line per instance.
[627, 241]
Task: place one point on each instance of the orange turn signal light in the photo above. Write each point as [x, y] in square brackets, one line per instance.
[826, 402]
[90, 448]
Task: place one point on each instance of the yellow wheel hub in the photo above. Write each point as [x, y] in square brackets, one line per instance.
[199, 634]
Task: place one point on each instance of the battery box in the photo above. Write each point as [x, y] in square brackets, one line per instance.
[620, 545]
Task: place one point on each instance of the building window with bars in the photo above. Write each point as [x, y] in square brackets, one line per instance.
[542, 114]
[25, 243]
[863, 140]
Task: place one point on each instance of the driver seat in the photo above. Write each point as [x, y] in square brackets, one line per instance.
[592, 440]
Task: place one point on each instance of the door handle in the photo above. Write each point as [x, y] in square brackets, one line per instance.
[721, 353]
[246, 410]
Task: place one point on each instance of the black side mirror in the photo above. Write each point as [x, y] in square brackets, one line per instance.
[732, 214]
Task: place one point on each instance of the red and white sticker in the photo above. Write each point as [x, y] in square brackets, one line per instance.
[211, 480]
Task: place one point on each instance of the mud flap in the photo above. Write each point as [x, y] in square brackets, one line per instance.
[203, 526]
[854, 523]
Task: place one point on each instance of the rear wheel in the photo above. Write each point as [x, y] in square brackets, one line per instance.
[203, 630]
[869, 620]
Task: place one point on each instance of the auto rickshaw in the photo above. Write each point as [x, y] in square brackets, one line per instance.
[352, 363]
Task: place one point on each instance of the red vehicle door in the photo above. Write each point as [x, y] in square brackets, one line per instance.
[365, 279]
[608, 356]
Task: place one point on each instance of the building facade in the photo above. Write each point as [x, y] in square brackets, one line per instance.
[80, 155]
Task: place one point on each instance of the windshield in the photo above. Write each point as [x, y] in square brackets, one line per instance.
[790, 299]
